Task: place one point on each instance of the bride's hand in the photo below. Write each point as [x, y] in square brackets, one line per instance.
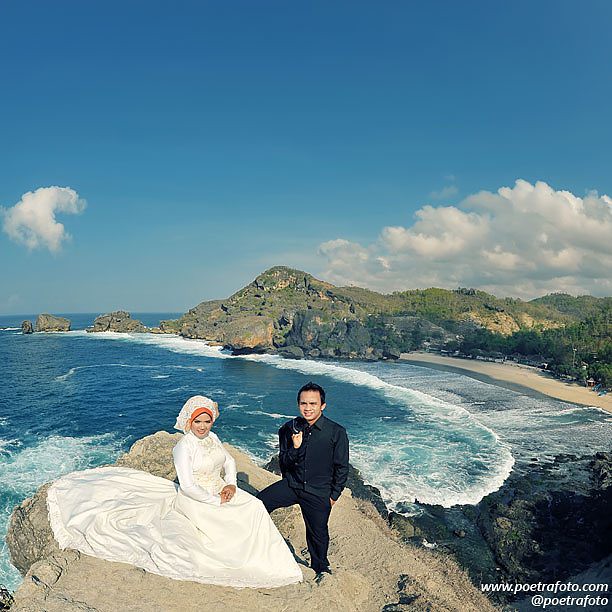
[227, 492]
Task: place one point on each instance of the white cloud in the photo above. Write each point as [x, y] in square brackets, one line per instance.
[445, 193]
[346, 257]
[32, 222]
[523, 241]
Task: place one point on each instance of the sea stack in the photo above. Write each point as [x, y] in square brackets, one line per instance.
[26, 327]
[117, 321]
[50, 323]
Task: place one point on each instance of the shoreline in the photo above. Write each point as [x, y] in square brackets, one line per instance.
[516, 377]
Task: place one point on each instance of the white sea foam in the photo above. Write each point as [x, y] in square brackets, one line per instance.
[272, 415]
[10, 328]
[171, 342]
[27, 468]
[181, 388]
[404, 480]
[72, 371]
[270, 440]
[67, 375]
[5, 444]
[161, 376]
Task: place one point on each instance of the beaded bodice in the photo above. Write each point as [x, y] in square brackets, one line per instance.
[208, 475]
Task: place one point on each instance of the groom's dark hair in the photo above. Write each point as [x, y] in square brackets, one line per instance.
[310, 386]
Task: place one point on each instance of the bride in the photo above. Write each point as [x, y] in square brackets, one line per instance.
[208, 531]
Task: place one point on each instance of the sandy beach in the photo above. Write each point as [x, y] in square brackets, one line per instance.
[514, 376]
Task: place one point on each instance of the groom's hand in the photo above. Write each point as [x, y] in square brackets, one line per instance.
[297, 439]
[333, 501]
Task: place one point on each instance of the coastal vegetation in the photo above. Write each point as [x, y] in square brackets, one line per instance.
[581, 349]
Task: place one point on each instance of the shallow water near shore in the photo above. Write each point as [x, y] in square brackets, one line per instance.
[74, 400]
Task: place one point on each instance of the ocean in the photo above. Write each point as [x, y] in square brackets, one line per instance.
[74, 400]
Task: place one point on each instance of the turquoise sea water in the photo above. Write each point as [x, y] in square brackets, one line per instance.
[74, 400]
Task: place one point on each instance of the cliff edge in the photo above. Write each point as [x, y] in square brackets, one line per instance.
[373, 571]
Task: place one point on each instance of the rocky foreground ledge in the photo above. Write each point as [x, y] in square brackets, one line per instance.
[373, 570]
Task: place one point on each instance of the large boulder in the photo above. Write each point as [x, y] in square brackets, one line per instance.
[29, 537]
[291, 352]
[118, 321]
[372, 570]
[26, 327]
[51, 323]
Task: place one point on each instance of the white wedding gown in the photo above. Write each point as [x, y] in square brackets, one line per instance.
[125, 515]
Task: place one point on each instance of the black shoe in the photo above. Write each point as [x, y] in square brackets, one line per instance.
[321, 575]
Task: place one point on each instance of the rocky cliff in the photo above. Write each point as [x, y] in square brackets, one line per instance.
[373, 571]
[51, 323]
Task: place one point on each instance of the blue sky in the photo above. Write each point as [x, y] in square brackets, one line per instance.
[365, 142]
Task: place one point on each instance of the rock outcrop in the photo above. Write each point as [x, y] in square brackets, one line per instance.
[537, 527]
[51, 323]
[373, 571]
[540, 530]
[118, 321]
[26, 327]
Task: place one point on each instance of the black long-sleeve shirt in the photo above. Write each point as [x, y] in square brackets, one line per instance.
[320, 465]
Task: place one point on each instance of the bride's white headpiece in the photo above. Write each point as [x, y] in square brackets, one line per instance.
[193, 404]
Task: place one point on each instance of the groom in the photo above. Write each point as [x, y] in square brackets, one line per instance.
[314, 458]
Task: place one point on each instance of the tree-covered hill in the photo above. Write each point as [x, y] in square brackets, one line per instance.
[578, 308]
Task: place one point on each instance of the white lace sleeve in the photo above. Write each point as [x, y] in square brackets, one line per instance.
[183, 463]
[229, 467]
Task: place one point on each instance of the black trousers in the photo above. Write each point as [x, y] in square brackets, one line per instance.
[315, 511]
